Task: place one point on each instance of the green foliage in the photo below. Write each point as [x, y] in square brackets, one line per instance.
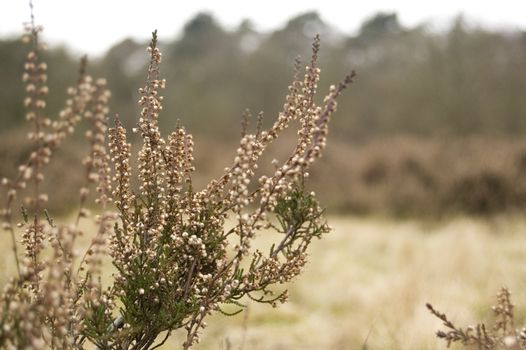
[298, 215]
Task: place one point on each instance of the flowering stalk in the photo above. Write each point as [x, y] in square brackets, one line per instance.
[180, 253]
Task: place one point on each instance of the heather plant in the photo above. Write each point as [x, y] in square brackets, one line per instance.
[179, 253]
[502, 334]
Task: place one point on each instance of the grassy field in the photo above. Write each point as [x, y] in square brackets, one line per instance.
[368, 281]
[367, 284]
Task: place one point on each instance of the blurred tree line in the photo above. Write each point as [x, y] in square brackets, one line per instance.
[466, 80]
[424, 101]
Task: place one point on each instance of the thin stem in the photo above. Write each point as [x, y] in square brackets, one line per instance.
[168, 333]
[31, 9]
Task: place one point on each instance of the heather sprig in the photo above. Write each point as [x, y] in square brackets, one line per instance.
[501, 335]
[172, 252]
[42, 305]
[179, 253]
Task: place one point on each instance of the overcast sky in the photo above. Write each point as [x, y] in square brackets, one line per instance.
[92, 26]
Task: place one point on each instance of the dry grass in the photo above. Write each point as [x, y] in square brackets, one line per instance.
[374, 277]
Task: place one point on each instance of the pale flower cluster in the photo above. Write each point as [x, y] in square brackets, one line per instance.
[180, 253]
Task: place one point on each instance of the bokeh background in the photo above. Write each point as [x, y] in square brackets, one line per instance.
[424, 174]
[433, 126]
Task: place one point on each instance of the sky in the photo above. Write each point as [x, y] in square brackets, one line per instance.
[92, 26]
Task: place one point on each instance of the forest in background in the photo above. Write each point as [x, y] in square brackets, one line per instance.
[434, 124]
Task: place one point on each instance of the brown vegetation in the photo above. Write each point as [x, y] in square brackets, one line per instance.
[394, 176]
